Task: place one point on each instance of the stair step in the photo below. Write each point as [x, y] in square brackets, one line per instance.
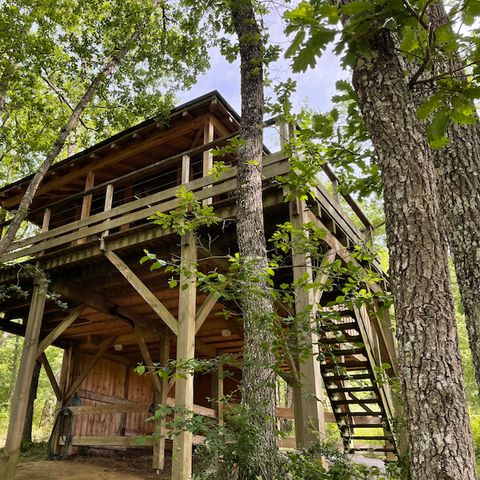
[343, 339]
[373, 449]
[349, 351]
[334, 327]
[349, 364]
[361, 425]
[351, 389]
[366, 437]
[336, 378]
[378, 415]
[366, 401]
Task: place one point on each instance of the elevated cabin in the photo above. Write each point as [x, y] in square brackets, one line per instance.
[90, 229]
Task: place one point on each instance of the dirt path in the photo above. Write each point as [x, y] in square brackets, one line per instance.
[88, 468]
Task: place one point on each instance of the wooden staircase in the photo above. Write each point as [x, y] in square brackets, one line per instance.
[351, 365]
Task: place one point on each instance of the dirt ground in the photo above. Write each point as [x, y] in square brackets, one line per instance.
[122, 466]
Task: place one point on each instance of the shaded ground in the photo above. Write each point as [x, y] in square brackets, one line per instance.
[120, 465]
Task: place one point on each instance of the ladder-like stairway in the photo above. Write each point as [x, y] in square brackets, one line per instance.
[355, 382]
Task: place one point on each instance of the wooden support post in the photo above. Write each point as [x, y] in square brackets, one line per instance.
[182, 443]
[11, 451]
[159, 443]
[309, 412]
[208, 136]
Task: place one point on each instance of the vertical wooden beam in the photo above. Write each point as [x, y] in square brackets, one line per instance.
[159, 443]
[309, 412]
[108, 204]
[185, 178]
[87, 201]
[182, 443]
[208, 136]
[47, 215]
[11, 451]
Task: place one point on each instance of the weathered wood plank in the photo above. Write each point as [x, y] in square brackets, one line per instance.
[102, 348]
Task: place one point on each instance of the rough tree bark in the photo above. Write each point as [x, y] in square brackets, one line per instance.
[439, 436]
[258, 386]
[458, 183]
[106, 72]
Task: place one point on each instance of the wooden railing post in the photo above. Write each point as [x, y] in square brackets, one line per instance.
[87, 200]
[108, 205]
[185, 169]
[208, 136]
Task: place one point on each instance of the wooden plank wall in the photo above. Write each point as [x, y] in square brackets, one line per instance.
[110, 383]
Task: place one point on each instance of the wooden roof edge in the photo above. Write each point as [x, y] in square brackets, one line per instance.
[198, 103]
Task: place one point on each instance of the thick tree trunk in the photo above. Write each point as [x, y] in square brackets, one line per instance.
[106, 72]
[458, 183]
[258, 391]
[440, 440]
[27, 428]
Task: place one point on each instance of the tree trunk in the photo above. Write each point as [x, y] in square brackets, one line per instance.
[27, 428]
[458, 183]
[440, 440]
[258, 386]
[106, 72]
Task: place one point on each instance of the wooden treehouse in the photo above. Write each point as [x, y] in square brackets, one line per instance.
[91, 231]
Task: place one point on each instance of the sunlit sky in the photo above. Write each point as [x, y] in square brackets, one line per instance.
[315, 87]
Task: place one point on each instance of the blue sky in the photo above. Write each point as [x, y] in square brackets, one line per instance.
[314, 87]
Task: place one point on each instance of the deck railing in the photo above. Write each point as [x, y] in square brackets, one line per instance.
[110, 215]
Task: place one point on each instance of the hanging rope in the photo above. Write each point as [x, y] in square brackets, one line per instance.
[62, 429]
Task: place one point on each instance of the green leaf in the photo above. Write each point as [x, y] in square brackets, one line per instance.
[357, 8]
